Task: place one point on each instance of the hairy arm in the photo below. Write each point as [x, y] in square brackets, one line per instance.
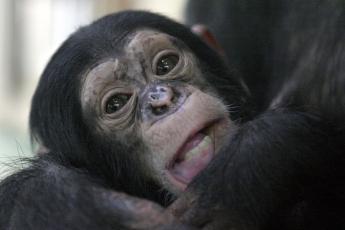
[49, 196]
[272, 164]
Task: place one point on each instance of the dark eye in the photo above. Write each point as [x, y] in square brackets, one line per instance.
[166, 63]
[116, 102]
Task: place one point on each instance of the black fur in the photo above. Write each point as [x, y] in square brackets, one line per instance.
[56, 119]
[285, 168]
[56, 190]
[282, 170]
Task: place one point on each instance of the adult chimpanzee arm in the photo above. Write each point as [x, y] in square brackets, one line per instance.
[272, 169]
[285, 168]
[50, 196]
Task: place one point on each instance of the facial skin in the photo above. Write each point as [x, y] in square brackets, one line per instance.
[154, 90]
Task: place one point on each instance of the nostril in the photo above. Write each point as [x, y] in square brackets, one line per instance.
[160, 100]
[154, 96]
[162, 89]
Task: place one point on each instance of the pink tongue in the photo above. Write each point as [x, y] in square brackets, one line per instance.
[186, 170]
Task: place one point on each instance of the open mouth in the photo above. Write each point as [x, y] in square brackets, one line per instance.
[193, 156]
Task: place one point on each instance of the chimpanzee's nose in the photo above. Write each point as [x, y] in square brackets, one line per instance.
[160, 99]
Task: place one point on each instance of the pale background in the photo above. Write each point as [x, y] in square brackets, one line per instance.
[30, 31]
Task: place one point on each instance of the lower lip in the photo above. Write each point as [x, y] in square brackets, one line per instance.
[182, 173]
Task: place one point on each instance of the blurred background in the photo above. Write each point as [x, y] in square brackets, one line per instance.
[30, 31]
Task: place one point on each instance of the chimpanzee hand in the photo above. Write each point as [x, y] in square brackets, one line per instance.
[65, 199]
[203, 210]
[261, 176]
[139, 214]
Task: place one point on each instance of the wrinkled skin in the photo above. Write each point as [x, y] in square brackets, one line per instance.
[129, 104]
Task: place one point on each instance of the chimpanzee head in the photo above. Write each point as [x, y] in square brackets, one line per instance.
[138, 101]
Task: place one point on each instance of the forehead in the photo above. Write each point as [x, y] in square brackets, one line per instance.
[146, 34]
[149, 41]
[143, 43]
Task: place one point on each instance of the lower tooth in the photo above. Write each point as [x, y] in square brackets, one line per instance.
[204, 144]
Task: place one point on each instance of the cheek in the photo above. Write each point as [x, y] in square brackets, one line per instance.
[164, 140]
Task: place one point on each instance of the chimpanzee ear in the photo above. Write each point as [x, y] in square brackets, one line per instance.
[208, 37]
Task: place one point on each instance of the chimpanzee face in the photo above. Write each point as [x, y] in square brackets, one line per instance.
[154, 89]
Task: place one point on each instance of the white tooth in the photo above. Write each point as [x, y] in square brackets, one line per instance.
[191, 153]
[203, 145]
